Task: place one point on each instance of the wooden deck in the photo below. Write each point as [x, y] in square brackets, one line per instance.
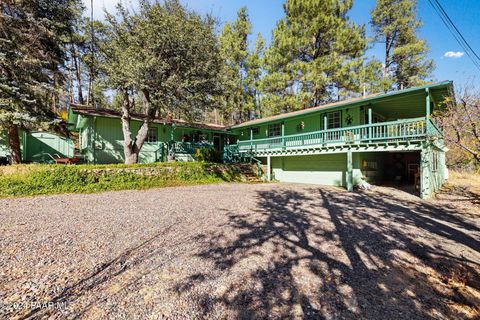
[398, 135]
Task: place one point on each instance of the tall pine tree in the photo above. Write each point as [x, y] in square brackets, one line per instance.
[316, 55]
[254, 74]
[396, 25]
[241, 70]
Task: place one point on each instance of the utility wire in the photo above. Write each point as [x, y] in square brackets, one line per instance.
[456, 29]
[455, 32]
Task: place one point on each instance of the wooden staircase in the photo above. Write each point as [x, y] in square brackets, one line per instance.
[249, 170]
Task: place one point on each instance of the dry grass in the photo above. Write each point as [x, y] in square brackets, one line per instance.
[21, 169]
[462, 190]
[468, 179]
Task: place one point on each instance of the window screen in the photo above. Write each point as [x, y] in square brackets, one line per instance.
[334, 120]
[274, 130]
[152, 135]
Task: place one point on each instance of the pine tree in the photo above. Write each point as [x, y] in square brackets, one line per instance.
[316, 55]
[33, 37]
[254, 72]
[395, 24]
[235, 103]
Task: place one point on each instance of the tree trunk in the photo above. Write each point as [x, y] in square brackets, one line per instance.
[130, 156]
[14, 144]
[78, 75]
[131, 148]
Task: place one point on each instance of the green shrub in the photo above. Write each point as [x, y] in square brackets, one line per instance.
[27, 180]
[208, 155]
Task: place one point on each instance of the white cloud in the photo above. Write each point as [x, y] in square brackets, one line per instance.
[454, 54]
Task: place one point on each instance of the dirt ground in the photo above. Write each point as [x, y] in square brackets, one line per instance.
[240, 251]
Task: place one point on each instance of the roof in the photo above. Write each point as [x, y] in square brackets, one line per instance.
[108, 113]
[445, 85]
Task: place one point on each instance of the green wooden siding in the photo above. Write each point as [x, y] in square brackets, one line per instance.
[37, 146]
[432, 170]
[101, 141]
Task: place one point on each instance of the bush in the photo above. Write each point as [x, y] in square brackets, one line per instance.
[25, 180]
[208, 155]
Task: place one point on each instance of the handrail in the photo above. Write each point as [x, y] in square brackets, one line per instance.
[340, 129]
[189, 147]
[405, 129]
[259, 165]
[434, 125]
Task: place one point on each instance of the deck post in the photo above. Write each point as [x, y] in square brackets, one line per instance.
[283, 134]
[349, 171]
[269, 176]
[427, 110]
[251, 139]
[370, 120]
[325, 127]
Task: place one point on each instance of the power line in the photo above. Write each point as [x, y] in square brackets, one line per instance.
[455, 32]
[456, 29]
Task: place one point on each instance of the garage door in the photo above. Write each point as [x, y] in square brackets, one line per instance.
[327, 169]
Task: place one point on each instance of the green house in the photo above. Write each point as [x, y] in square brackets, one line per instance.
[101, 137]
[383, 139]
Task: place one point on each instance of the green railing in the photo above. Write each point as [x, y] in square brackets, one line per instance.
[190, 147]
[433, 128]
[401, 130]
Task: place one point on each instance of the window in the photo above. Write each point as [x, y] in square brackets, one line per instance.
[274, 130]
[376, 118]
[255, 130]
[200, 137]
[434, 161]
[152, 135]
[334, 120]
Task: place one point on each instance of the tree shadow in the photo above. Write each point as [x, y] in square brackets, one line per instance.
[313, 253]
[325, 253]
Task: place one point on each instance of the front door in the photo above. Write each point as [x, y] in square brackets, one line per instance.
[216, 142]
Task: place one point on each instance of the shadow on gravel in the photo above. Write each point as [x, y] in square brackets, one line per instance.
[328, 254]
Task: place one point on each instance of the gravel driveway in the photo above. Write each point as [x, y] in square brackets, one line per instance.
[236, 251]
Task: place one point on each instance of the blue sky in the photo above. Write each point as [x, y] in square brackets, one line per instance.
[465, 13]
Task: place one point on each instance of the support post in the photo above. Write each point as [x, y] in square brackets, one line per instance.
[370, 120]
[425, 169]
[269, 170]
[283, 134]
[349, 171]
[427, 110]
[325, 127]
[25, 148]
[251, 139]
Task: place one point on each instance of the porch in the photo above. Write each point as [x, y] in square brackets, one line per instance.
[186, 151]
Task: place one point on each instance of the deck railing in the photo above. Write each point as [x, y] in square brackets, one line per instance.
[400, 130]
[190, 147]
